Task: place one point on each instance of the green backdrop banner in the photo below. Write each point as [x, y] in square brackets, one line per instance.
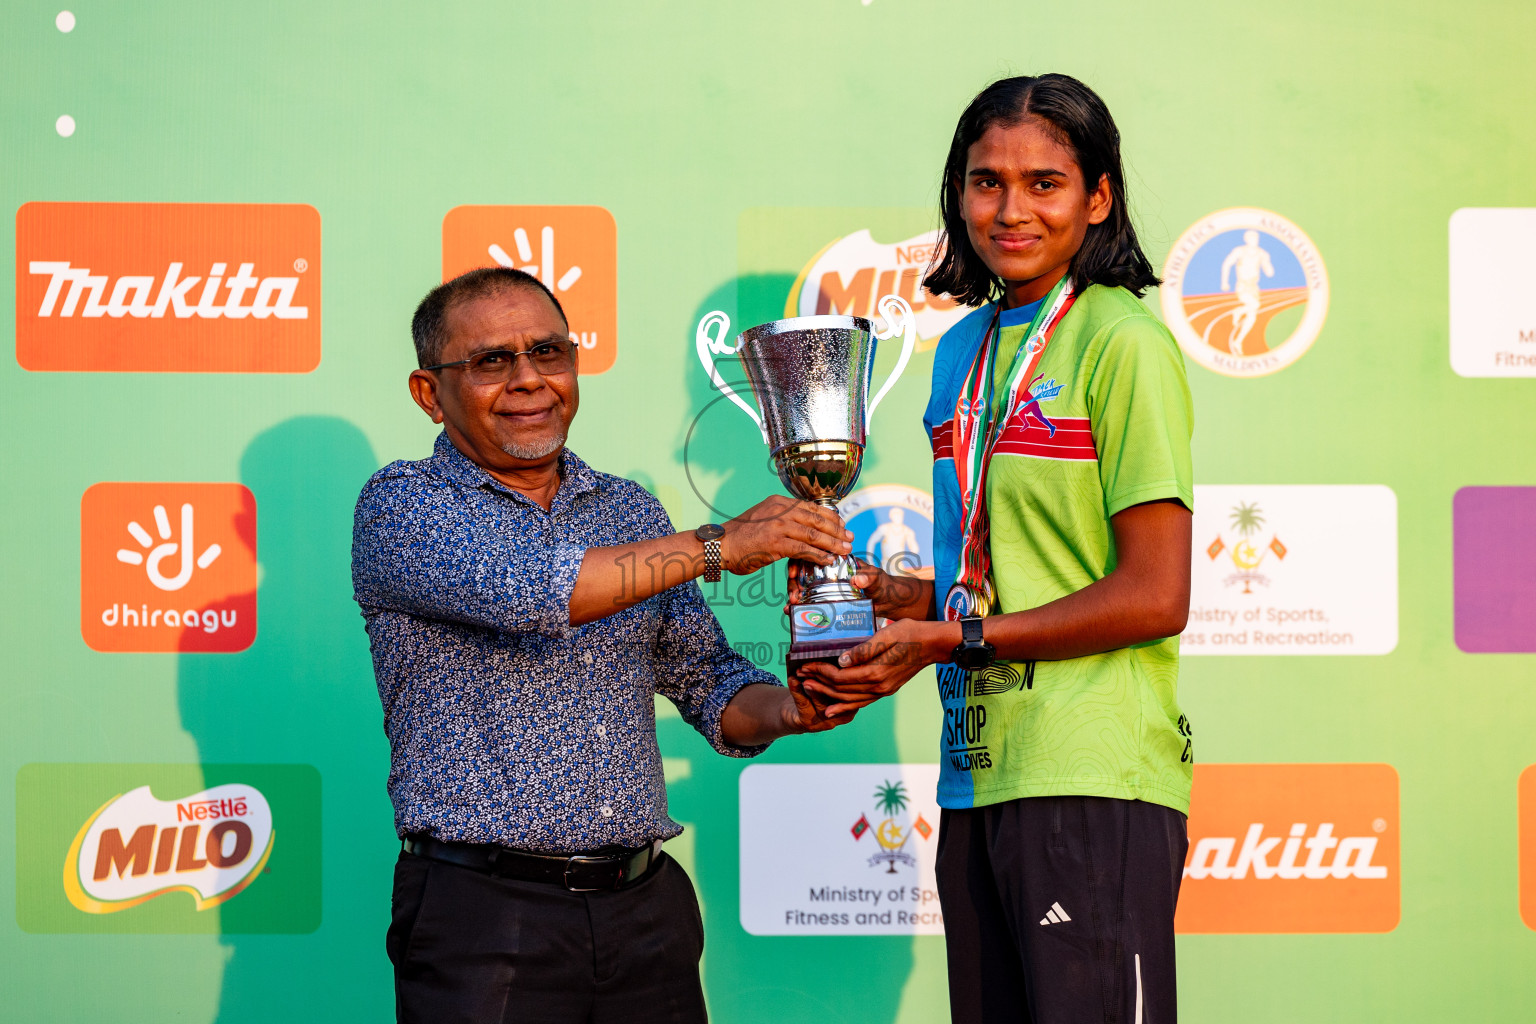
[1340, 200]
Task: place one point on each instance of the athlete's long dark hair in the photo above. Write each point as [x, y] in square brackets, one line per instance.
[1110, 254]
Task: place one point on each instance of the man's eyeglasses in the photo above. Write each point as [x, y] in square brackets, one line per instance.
[549, 358]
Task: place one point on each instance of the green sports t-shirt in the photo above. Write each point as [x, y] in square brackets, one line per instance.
[1107, 426]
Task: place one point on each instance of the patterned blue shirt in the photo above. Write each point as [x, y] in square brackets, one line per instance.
[506, 724]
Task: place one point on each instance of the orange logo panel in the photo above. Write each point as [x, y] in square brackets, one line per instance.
[168, 567]
[1292, 848]
[1527, 800]
[572, 249]
[167, 287]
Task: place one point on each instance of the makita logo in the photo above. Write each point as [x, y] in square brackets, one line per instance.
[75, 290]
[1325, 856]
[168, 287]
[1292, 848]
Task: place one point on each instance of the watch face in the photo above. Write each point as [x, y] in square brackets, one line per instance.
[710, 531]
[974, 656]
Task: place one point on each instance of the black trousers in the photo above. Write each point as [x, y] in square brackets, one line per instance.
[1059, 910]
[470, 948]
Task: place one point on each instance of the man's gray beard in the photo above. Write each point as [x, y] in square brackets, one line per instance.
[536, 450]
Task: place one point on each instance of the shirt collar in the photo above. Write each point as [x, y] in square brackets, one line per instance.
[576, 477]
[1019, 314]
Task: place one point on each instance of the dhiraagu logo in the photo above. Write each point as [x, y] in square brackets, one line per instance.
[168, 848]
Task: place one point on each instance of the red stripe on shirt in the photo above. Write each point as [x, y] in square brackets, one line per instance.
[1072, 442]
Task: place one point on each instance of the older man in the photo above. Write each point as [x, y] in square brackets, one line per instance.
[519, 637]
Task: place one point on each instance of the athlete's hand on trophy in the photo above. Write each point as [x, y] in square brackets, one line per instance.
[780, 527]
[894, 596]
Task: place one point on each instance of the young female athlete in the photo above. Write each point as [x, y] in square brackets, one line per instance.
[1060, 421]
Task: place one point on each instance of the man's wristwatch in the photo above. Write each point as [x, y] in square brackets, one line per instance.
[710, 534]
[973, 652]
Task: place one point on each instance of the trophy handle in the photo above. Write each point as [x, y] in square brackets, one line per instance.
[898, 317]
[708, 345]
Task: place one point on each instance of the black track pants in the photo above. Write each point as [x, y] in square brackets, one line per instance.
[1059, 910]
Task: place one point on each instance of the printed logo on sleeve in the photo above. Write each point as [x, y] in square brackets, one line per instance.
[1292, 848]
[168, 287]
[573, 250]
[168, 567]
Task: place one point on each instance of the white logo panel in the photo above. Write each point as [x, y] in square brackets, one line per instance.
[1293, 569]
[839, 849]
[1493, 292]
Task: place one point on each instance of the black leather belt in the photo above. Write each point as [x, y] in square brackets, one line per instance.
[579, 872]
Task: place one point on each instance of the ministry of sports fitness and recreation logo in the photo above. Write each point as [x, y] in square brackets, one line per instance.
[1292, 848]
[1245, 547]
[168, 567]
[573, 250]
[1245, 292]
[168, 848]
[895, 829]
[197, 287]
[851, 273]
[892, 528]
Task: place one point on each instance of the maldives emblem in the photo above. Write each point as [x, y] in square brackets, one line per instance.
[894, 830]
[210, 845]
[1247, 551]
[1245, 292]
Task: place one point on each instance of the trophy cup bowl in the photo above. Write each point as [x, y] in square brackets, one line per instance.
[811, 377]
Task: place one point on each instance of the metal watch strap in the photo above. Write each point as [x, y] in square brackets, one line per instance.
[709, 535]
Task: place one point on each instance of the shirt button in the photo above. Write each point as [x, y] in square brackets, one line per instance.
[602, 730]
[607, 811]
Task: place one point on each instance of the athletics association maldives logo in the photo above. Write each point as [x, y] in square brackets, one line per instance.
[573, 250]
[168, 287]
[892, 527]
[1245, 291]
[168, 567]
[894, 830]
[210, 845]
[850, 274]
[1246, 549]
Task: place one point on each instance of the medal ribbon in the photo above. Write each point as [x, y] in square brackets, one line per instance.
[979, 422]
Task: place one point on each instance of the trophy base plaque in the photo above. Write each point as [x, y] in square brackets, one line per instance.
[822, 630]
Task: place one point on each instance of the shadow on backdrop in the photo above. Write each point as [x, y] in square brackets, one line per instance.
[761, 979]
[303, 694]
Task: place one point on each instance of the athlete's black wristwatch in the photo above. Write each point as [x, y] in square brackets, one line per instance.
[710, 534]
[973, 652]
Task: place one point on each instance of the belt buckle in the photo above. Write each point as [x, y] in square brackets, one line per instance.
[566, 877]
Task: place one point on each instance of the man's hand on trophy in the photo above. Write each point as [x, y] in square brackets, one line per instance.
[780, 527]
[880, 665]
[811, 715]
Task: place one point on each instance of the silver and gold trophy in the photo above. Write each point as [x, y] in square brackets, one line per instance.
[811, 378]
